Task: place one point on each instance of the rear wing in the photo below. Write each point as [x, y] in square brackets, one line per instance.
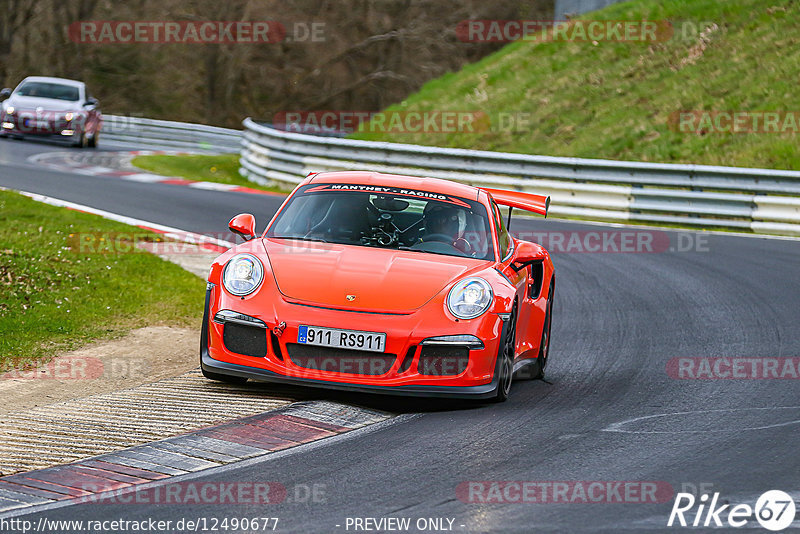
[517, 199]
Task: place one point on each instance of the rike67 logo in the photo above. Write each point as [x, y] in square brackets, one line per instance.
[774, 510]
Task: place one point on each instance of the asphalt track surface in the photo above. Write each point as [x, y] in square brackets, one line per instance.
[609, 410]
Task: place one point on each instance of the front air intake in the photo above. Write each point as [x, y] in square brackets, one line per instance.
[443, 360]
[245, 340]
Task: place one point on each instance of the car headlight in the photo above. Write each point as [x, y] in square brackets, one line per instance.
[243, 274]
[10, 110]
[69, 116]
[469, 298]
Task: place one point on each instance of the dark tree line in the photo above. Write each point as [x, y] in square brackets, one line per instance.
[373, 53]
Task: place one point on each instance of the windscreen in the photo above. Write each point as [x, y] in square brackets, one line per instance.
[386, 217]
[56, 91]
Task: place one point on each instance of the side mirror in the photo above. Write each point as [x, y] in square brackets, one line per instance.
[5, 93]
[243, 225]
[526, 254]
[91, 101]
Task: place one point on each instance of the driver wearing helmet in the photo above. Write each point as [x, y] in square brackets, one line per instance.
[445, 224]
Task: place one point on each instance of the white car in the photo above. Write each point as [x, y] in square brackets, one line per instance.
[51, 107]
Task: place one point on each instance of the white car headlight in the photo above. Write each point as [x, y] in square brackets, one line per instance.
[469, 298]
[10, 110]
[243, 274]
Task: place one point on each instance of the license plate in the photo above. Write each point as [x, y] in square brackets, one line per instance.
[341, 339]
[39, 123]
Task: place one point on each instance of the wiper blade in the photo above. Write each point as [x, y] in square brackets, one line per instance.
[425, 251]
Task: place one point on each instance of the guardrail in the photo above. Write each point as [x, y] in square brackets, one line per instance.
[170, 135]
[758, 200]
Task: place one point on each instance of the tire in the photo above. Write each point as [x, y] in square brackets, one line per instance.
[544, 344]
[81, 142]
[228, 379]
[506, 354]
[93, 140]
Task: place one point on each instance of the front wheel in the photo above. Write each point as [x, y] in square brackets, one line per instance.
[544, 344]
[506, 364]
[82, 142]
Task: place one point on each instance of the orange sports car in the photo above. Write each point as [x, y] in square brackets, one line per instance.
[383, 284]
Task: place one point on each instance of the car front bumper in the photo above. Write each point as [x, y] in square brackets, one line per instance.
[47, 128]
[477, 381]
[484, 391]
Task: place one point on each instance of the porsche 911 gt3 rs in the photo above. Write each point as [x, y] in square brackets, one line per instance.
[385, 284]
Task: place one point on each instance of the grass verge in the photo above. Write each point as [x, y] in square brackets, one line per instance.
[219, 168]
[53, 297]
[618, 100]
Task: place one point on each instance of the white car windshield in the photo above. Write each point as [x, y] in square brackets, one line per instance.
[386, 218]
[55, 91]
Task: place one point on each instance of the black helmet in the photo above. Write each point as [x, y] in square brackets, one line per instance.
[441, 216]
